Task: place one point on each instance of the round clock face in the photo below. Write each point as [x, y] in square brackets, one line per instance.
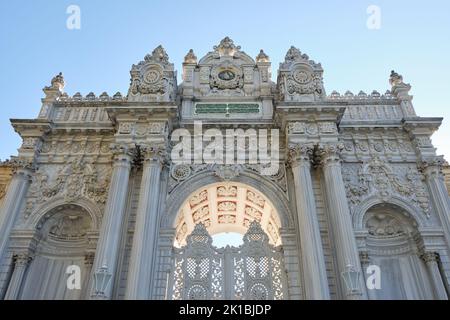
[226, 75]
[301, 77]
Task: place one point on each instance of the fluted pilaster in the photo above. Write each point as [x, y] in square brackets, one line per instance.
[21, 262]
[431, 260]
[109, 240]
[15, 197]
[312, 257]
[143, 254]
[339, 214]
[432, 169]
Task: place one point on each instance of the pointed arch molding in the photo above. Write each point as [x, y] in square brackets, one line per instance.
[176, 200]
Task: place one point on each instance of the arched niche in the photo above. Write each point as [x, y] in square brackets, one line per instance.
[63, 241]
[394, 244]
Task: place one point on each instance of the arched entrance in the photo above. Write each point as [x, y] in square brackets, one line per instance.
[254, 270]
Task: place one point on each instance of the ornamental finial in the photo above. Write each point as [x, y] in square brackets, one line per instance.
[190, 57]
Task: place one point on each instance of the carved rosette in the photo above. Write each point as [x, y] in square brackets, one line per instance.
[300, 154]
[329, 154]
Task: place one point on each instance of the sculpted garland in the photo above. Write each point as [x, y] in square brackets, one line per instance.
[73, 181]
[376, 178]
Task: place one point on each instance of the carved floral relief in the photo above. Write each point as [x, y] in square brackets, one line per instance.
[377, 178]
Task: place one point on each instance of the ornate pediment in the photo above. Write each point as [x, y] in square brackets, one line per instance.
[226, 71]
[153, 79]
[299, 78]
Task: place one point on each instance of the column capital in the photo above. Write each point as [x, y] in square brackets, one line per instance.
[430, 256]
[23, 166]
[432, 167]
[22, 259]
[300, 154]
[89, 258]
[154, 154]
[122, 152]
[327, 154]
[364, 257]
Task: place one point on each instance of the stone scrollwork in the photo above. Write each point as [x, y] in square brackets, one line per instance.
[432, 167]
[154, 154]
[385, 225]
[300, 76]
[300, 153]
[181, 172]
[326, 154]
[73, 181]
[226, 76]
[227, 172]
[153, 79]
[17, 163]
[377, 178]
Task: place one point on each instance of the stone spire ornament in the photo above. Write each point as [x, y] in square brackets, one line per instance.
[226, 47]
[395, 79]
[262, 57]
[55, 89]
[158, 55]
[399, 88]
[58, 82]
[190, 57]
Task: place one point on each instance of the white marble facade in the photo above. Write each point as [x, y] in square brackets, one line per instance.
[359, 184]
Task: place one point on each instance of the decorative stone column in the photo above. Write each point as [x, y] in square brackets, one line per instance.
[21, 262]
[431, 260]
[312, 257]
[432, 169]
[108, 244]
[143, 254]
[14, 199]
[339, 215]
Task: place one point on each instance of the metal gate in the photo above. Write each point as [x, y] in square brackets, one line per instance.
[252, 271]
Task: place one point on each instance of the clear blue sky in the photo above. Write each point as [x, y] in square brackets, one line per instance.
[35, 45]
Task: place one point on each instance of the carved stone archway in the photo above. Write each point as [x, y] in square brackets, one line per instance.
[227, 207]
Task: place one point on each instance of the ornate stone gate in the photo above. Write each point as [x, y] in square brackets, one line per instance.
[252, 271]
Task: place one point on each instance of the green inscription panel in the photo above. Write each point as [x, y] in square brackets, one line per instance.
[226, 108]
